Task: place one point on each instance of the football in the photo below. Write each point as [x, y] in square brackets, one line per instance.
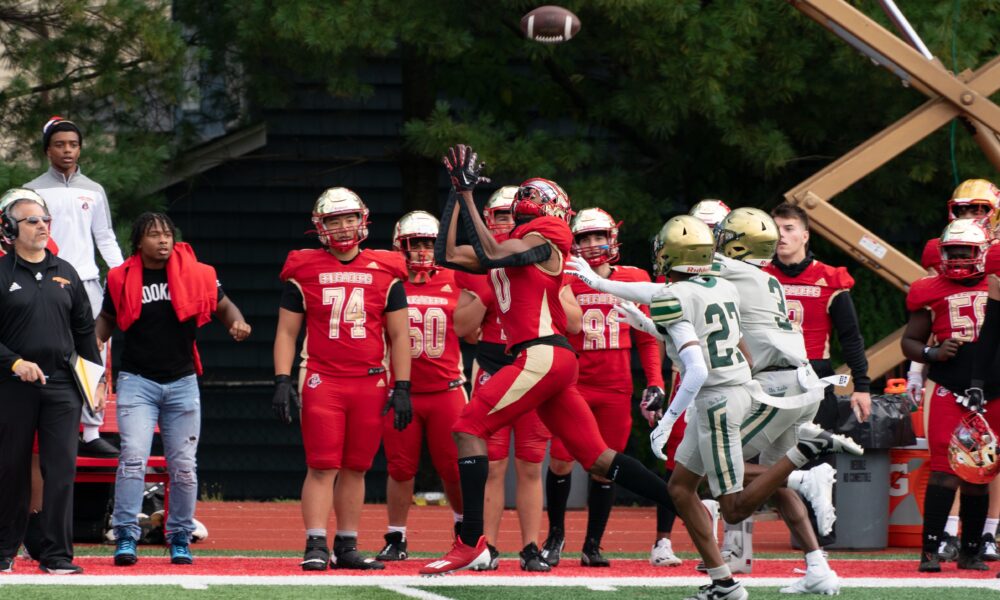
[550, 25]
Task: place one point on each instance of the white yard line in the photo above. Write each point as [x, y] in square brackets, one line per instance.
[414, 593]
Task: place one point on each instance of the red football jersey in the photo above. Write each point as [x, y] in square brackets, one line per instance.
[528, 296]
[931, 257]
[437, 358]
[345, 308]
[604, 343]
[479, 285]
[808, 297]
[957, 311]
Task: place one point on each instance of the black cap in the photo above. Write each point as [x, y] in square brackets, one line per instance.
[55, 125]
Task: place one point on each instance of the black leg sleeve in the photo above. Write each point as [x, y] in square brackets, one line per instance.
[473, 471]
[557, 488]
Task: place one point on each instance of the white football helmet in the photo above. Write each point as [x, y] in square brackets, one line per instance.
[710, 212]
[502, 200]
[340, 201]
[416, 225]
[590, 220]
[964, 244]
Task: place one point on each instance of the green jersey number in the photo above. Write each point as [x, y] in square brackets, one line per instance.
[715, 313]
[779, 295]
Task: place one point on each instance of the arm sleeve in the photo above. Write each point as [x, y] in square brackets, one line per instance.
[291, 298]
[441, 241]
[104, 235]
[397, 298]
[695, 370]
[989, 337]
[82, 325]
[845, 321]
[640, 292]
[649, 355]
[537, 254]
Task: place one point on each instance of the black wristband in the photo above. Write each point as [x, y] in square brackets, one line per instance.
[927, 354]
[282, 378]
[401, 385]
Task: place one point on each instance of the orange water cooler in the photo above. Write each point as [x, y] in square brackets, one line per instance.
[909, 470]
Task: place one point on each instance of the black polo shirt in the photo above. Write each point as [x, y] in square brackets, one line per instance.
[44, 315]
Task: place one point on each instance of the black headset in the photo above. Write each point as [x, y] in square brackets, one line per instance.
[8, 223]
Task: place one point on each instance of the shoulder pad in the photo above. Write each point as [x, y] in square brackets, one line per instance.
[296, 260]
[930, 258]
[387, 260]
[919, 295]
[555, 230]
[665, 307]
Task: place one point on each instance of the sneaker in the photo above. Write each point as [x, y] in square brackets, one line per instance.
[125, 552]
[180, 551]
[553, 546]
[971, 562]
[814, 441]
[316, 557]
[459, 558]
[532, 561]
[97, 448]
[948, 551]
[825, 584]
[816, 487]
[494, 560]
[346, 556]
[61, 567]
[662, 554]
[6, 565]
[716, 591]
[988, 549]
[591, 556]
[395, 547]
[929, 562]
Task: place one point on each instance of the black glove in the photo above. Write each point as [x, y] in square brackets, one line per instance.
[654, 397]
[399, 402]
[284, 396]
[973, 400]
[463, 167]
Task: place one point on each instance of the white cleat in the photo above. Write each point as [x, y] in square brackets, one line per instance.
[817, 488]
[663, 555]
[825, 584]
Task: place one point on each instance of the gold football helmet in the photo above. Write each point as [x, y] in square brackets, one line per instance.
[964, 244]
[340, 201]
[416, 225]
[684, 244]
[747, 234]
[973, 192]
[500, 201]
[710, 212]
[591, 220]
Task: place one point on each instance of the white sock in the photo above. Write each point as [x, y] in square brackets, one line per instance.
[719, 573]
[317, 532]
[795, 480]
[815, 561]
[951, 527]
[394, 529]
[91, 433]
[991, 526]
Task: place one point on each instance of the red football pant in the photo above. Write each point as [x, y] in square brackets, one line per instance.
[542, 377]
[531, 438]
[613, 413]
[943, 415]
[434, 413]
[341, 419]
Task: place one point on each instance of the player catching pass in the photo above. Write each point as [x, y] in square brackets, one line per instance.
[526, 273]
[350, 300]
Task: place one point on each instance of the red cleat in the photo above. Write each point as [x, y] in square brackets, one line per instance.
[459, 558]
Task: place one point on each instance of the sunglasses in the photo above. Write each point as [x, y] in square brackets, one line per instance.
[35, 220]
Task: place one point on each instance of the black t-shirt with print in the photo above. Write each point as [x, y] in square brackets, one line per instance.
[157, 345]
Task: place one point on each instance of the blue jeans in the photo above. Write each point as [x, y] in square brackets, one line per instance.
[177, 407]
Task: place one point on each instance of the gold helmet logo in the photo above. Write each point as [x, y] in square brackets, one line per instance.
[747, 234]
[684, 244]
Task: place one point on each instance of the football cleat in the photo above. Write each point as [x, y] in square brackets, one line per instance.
[6, 565]
[988, 548]
[553, 546]
[395, 547]
[316, 557]
[948, 550]
[816, 486]
[592, 556]
[683, 244]
[814, 442]
[825, 584]
[747, 234]
[663, 555]
[929, 562]
[494, 559]
[717, 591]
[971, 562]
[346, 556]
[531, 559]
[460, 558]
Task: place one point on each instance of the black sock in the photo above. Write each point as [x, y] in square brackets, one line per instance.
[972, 513]
[556, 496]
[599, 502]
[473, 471]
[630, 474]
[665, 515]
[937, 505]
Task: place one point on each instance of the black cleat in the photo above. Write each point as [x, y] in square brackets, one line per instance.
[346, 556]
[929, 563]
[317, 557]
[395, 547]
[971, 562]
[553, 546]
[6, 565]
[61, 567]
[531, 560]
[591, 556]
[948, 551]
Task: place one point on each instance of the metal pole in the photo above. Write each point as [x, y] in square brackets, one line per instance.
[899, 20]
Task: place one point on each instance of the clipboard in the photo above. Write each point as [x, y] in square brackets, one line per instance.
[87, 375]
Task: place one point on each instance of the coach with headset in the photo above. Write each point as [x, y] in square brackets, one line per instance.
[45, 316]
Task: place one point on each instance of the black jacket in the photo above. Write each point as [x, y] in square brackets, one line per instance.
[44, 316]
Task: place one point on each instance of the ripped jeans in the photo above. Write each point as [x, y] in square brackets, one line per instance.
[177, 407]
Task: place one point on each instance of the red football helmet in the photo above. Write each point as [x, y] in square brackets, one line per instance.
[964, 244]
[416, 225]
[595, 220]
[500, 201]
[539, 197]
[340, 201]
[972, 451]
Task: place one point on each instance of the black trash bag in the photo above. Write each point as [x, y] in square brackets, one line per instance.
[889, 425]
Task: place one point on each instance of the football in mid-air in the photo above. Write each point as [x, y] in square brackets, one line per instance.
[550, 25]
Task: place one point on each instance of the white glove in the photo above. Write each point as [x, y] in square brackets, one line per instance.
[915, 387]
[638, 319]
[659, 436]
[580, 268]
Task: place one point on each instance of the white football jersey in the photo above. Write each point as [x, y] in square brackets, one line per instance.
[712, 306]
[768, 334]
